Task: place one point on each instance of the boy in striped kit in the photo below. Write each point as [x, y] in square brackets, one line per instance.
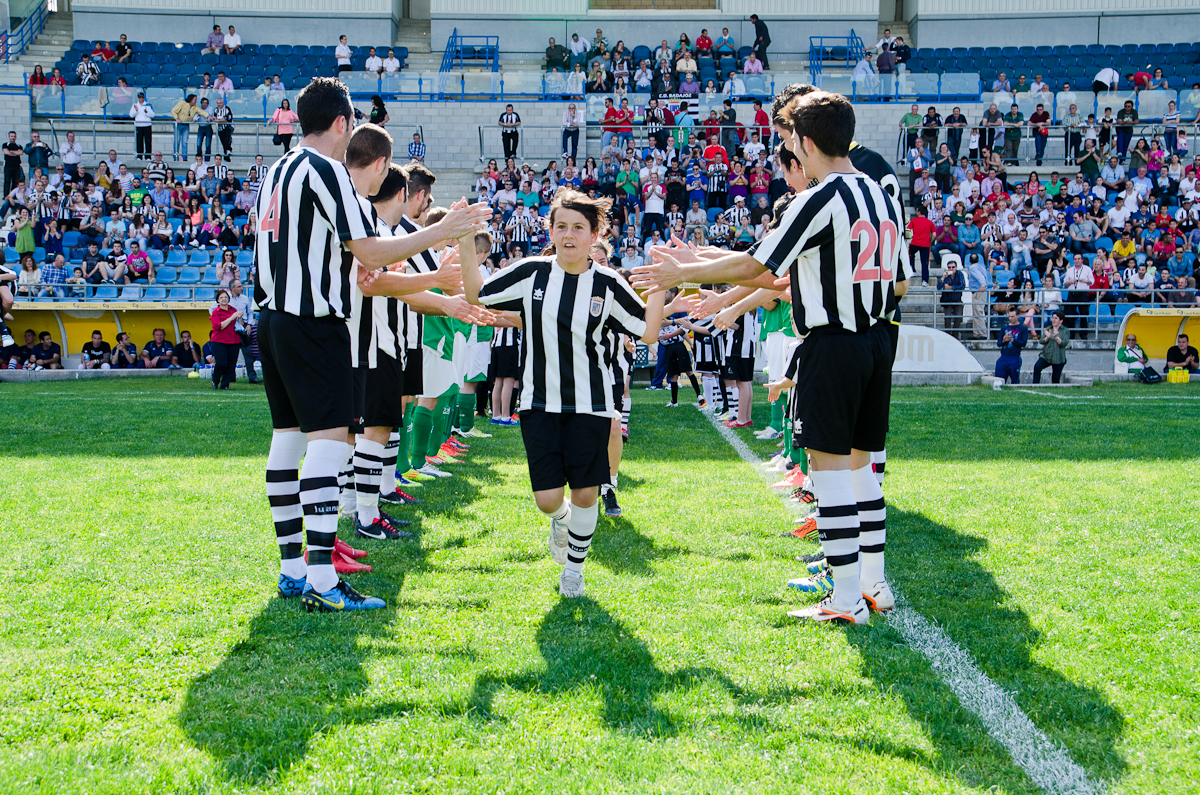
[567, 305]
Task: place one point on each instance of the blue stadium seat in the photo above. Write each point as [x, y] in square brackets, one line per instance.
[189, 275]
[1127, 49]
[744, 52]
[166, 275]
[266, 49]
[283, 49]
[70, 239]
[1043, 51]
[180, 294]
[39, 254]
[245, 257]
[154, 294]
[210, 276]
[131, 292]
[104, 292]
[156, 256]
[640, 53]
[959, 52]
[205, 294]
[199, 258]
[1095, 50]
[11, 257]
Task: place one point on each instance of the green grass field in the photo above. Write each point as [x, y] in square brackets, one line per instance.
[1053, 538]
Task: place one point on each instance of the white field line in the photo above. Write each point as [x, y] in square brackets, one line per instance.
[1046, 763]
[1105, 397]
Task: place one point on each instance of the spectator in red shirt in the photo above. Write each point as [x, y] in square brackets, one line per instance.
[922, 233]
[103, 51]
[624, 123]
[762, 121]
[1139, 80]
[1164, 249]
[714, 149]
[704, 44]
[225, 341]
[610, 126]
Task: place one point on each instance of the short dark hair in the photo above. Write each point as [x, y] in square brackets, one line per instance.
[321, 103]
[826, 119]
[594, 210]
[785, 157]
[393, 182]
[483, 242]
[419, 178]
[368, 143]
[789, 92]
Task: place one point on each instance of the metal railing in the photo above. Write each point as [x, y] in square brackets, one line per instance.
[1096, 318]
[843, 49]
[143, 290]
[14, 43]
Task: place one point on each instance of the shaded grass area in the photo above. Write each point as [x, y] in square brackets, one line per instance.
[145, 651]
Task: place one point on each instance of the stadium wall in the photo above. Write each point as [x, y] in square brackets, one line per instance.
[983, 23]
[263, 22]
[16, 110]
[524, 26]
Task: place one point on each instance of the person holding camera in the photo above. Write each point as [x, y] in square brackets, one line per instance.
[1055, 341]
[225, 340]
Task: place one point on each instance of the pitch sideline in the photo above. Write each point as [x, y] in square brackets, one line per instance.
[1046, 762]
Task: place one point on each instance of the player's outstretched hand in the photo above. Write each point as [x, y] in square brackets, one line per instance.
[726, 319]
[681, 303]
[777, 388]
[449, 277]
[367, 277]
[458, 308]
[784, 283]
[663, 272]
[449, 256]
[709, 303]
[462, 221]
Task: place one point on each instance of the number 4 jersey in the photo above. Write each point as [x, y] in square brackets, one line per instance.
[843, 242]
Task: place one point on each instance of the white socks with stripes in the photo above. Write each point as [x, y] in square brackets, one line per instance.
[838, 527]
[581, 526]
[387, 483]
[872, 517]
[710, 390]
[368, 469]
[563, 514]
[319, 498]
[347, 496]
[879, 462]
[283, 492]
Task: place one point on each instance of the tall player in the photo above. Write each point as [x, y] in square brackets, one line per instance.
[312, 225]
[840, 243]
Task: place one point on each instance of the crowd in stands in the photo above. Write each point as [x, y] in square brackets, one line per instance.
[713, 182]
[713, 67]
[1122, 227]
[70, 227]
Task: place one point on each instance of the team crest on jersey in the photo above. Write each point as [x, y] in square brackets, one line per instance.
[537, 294]
[597, 306]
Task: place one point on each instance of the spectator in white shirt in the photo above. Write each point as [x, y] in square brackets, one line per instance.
[572, 122]
[864, 72]
[886, 42]
[391, 64]
[1119, 214]
[233, 42]
[1038, 87]
[579, 49]
[644, 76]
[71, 153]
[663, 53]
[1105, 80]
[734, 86]
[374, 62]
[342, 53]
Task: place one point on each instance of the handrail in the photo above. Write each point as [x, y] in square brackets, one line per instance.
[13, 44]
[447, 63]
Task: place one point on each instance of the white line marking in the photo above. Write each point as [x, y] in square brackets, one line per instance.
[1060, 397]
[1046, 762]
[1105, 397]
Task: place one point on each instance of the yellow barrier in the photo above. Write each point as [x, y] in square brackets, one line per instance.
[72, 323]
[1157, 329]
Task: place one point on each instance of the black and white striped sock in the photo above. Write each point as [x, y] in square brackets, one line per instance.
[872, 517]
[368, 469]
[581, 526]
[283, 493]
[347, 496]
[838, 527]
[319, 498]
[391, 453]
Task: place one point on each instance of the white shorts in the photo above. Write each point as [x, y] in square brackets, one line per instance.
[776, 347]
[439, 375]
[478, 356]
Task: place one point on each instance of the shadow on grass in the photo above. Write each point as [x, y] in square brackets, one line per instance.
[296, 675]
[621, 548]
[586, 647]
[935, 567]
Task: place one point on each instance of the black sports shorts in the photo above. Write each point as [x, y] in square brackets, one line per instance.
[679, 361]
[306, 370]
[414, 368]
[506, 362]
[565, 449]
[359, 380]
[843, 390]
[738, 368]
[385, 393]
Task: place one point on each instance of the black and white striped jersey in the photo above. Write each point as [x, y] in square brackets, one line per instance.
[741, 342]
[618, 358]
[710, 347]
[506, 337]
[307, 209]
[412, 324]
[375, 323]
[565, 318]
[843, 241]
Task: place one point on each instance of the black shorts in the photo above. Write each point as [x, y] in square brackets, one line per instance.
[679, 361]
[565, 449]
[844, 390]
[738, 368]
[306, 370]
[619, 395]
[506, 362]
[358, 380]
[385, 393]
[414, 368]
